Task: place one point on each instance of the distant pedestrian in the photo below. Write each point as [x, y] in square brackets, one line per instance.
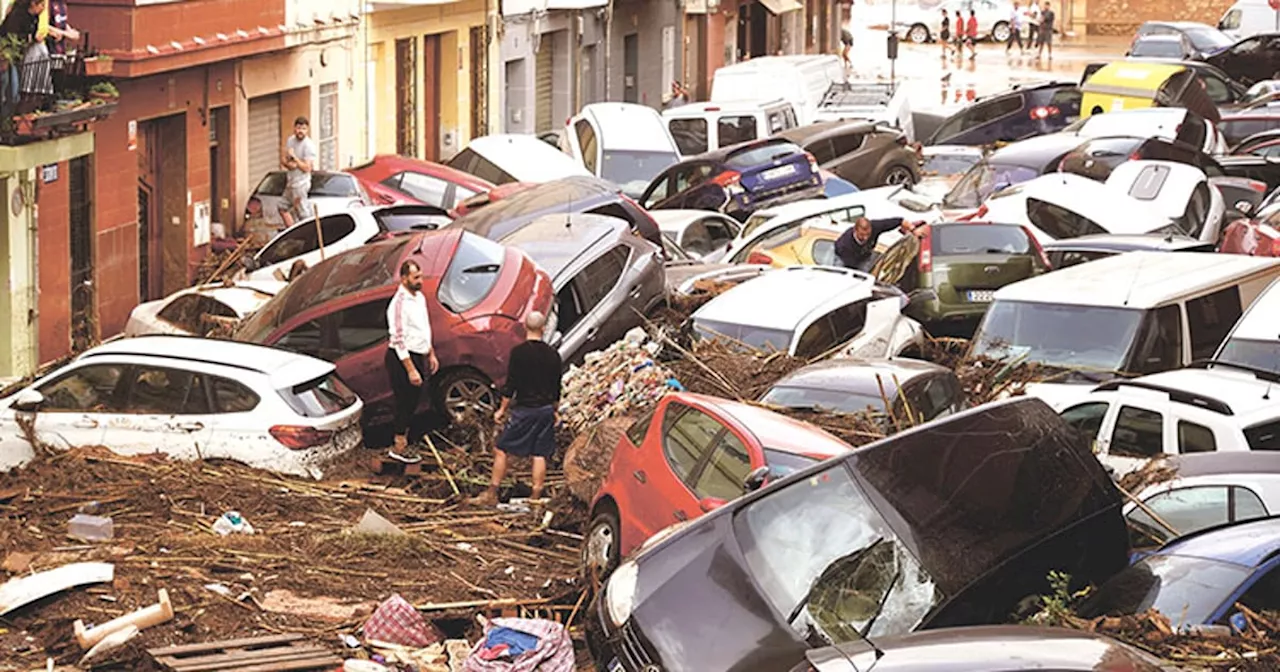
[679, 96]
[846, 41]
[530, 396]
[959, 34]
[1033, 23]
[971, 34]
[944, 33]
[410, 359]
[1047, 19]
[855, 247]
[299, 159]
[1016, 18]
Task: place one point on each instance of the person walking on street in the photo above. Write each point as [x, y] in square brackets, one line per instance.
[1045, 38]
[944, 34]
[971, 34]
[530, 397]
[1033, 23]
[410, 357]
[1015, 29]
[855, 248]
[299, 159]
[846, 41]
[959, 35]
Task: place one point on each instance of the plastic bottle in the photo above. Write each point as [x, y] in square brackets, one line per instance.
[232, 521]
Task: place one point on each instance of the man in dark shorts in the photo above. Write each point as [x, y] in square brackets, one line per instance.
[846, 43]
[533, 382]
[1045, 37]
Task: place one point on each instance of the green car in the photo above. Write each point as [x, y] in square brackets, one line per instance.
[951, 270]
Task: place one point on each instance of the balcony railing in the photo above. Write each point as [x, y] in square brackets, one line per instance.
[43, 97]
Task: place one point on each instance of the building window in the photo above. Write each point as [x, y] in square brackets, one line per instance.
[328, 126]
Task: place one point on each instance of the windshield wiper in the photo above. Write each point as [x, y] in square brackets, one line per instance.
[808, 595]
[866, 629]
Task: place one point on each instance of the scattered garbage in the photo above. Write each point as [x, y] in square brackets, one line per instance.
[90, 528]
[397, 622]
[267, 652]
[24, 590]
[372, 523]
[141, 619]
[283, 601]
[108, 645]
[232, 522]
[622, 379]
[521, 645]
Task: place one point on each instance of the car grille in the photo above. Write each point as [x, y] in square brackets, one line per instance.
[631, 648]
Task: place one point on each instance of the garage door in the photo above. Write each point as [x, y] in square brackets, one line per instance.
[265, 143]
[545, 68]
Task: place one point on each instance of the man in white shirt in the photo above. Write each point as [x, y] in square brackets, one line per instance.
[410, 359]
[299, 159]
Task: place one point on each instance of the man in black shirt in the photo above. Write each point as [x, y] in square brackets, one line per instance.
[856, 246]
[533, 383]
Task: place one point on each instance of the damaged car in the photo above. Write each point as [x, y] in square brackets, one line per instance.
[906, 389]
[948, 524]
[196, 311]
[189, 398]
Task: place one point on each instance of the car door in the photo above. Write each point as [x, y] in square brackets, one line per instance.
[164, 409]
[353, 337]
[1138, 431]
[692, 188]
[587, 321]
[897, 266]
[585, 143]
[851, 161]
[77, 404]
[659, 190]
[721, 231]
[234, 424]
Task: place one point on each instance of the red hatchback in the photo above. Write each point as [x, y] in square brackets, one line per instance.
[692, 454]
[1252, 237]
[394, 179]
[478, 293]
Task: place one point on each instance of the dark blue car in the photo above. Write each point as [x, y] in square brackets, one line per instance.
[1021, 112]
[1198, 579]
[737, 180]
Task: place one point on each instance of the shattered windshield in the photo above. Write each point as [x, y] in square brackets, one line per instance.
[1188, 590]
[982, 180]
[760, 338]
[826, 560]
[1061, 335]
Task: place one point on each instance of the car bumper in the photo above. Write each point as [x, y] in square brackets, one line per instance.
[741, 207]
[617, 649]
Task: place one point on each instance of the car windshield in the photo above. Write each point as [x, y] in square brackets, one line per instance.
[1252, 353]
[1208, 39]
[756, 337]
[984, 179]
[945, 165]
[824, 399]
[750, 157]
[1068, 336]
[980, 239]
[634, 169]
[472, 273]
[1160, 47]
[1188, 590]
[825, 558]
[782, 462]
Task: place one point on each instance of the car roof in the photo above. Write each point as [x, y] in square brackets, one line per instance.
[526, 157]
[1259, 322]
[242, 297]
[1161, 38]
[1240, 390]
[554, 242]
[774, 430]
[1124, 242]
[645, 130]
[1249, 543]
[1037, 151]
[814, 206]
[1176, 24]
[783, 298]
[1178, 182]
[811, 131]
[1225, 462]
[858, 375]
[1140, 279]
[282, 367]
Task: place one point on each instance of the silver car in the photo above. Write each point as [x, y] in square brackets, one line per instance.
[330, 192]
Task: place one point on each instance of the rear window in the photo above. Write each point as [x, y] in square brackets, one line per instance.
[980, 239]
[690, 135]
[754, 156]
[1158, 48]
[782, 463]
[943, 165]
[472, 273]
[323, 185]
[1265, 436]
[321, 397]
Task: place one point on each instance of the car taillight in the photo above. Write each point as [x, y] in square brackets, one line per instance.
[760, 258]
[1260, 187]
[926, 250]
[298, 437]
[1044, 258]
[1044, 112]
[253, 208]
[1135, 156]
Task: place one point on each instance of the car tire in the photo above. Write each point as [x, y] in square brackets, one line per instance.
[895, 174]
[464, 394]
[919, 34]
[600, 545]
[1000, 32]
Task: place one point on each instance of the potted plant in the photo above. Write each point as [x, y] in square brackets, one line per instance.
[96, 66]
[105, 92]
[12, 49]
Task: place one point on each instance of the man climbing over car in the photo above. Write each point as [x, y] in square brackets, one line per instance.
[855, 248]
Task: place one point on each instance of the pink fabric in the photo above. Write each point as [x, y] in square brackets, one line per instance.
[553, 654]
[396, 621]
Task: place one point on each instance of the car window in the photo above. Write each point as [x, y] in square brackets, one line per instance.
[847, 143]
[1067, 101]
[776, 123]
[1194, 438]
[304, 339]
[896, 261]
[425, 188]
[1187, 510]
[638, 429]
[1138, 433]
[162, 391]
[823, 151]
[691, 175]
[1217, 90]
[188, 312]
[302, 239]
[472, 162]
[847, 321]
[932, 397]
[989, 239]
[750, 157]
[721, 232]
[1159, 341]
[1231, 20]
[817, 339]
[724, 475]
[658, 191]
[824, 252]
[1265, 436]
[1087, 417]
[735, 129]
[1210, 318]
[320, 397]
[595, 281]
[472, 273]
[1060, 259]
[90, 389]
[690, 135]
[1264, 595]
[587, 144]
[333, 185]
[230, 396]
[1059, 222]
[995, 109]
[358, 327]
[1193, 218]
[696, 239]
[687, 436]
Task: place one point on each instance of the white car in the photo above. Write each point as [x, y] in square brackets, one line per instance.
[1180, 192]
[1065, 205]
[340, 231]
[625, 143]
[330, 192]
[919, 23]
[1254, 341]
[189, 398]
[505, 158]
[1193, 410]
[702, 234]
[184, 313]
[881, 102]
[1170, 123]
[811, 312]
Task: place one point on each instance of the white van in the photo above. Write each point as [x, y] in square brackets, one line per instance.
[624, 143]
[1137, 313]
[1255, 340]
[1247, 18]
[801, 80]
[703, 127]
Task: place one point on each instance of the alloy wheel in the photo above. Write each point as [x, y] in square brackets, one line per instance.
[918, 34]
[899, 175]
[469, 396]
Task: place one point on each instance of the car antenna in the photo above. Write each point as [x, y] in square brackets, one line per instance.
[1132, 283]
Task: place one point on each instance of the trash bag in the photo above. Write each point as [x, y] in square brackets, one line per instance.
[395, 621]
[522, 645]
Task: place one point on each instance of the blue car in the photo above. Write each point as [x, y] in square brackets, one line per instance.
[1023, 111]
[1197, 579]
[737, 180]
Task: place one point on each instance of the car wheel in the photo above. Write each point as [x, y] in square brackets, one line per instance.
[600, 545]
[919, 34]
[1000, 33]
[464, 394]
[897, 174]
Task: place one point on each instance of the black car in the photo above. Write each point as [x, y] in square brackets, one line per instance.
[1012, 164]
[1253, 59]
[1097, 157]
[737, 180]
[590, 195]
[1024, 111]
[947, 524]
[1237, 125]
[1204, 39]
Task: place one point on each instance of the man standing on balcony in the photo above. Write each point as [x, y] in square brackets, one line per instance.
[299, 159]
[59, 30]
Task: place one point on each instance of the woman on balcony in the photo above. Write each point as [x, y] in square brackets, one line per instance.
[32, 74]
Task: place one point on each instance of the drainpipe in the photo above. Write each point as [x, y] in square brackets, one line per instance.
[608, 50]
[579, 33]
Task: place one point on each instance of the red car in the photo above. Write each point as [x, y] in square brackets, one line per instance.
[691, 455]
[492, 196]
[478, 293]
[394, 179]
[1252, 237]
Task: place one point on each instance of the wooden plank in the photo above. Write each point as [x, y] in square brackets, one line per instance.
[300, 665]
[238, 660]
[226, 644]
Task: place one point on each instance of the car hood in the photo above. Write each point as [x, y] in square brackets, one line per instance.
[1059, 395]
[682, 276]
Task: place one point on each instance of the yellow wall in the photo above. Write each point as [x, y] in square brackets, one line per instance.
[453, 22]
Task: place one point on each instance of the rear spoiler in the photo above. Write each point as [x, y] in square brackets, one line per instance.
[1089, 70]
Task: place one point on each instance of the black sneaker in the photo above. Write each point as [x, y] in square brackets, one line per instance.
[409, 454]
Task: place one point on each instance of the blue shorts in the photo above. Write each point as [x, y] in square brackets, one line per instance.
[530, 432]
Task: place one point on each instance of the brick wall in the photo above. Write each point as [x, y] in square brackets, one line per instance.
[128, 26]
[1121, 17]
[54, 255]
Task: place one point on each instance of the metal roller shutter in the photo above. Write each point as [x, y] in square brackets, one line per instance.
[545, 68]
[265, 143]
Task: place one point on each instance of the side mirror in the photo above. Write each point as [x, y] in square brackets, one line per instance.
[755, 480]
[1244, 207]
[28, 401]
[709, 504]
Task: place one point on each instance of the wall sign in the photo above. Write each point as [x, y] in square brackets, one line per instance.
[49, 173]
[133, 135]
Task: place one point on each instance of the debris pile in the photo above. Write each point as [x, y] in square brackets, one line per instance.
[1253, 648]
[620, 380]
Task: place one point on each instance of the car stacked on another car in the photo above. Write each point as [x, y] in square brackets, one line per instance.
[1072, 251]
[908, 390]
[331, 192]
[862, 152]
[198, 310]
[391, 179]
[1022, 112]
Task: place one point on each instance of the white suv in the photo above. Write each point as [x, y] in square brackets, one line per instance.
[1193, 410]
[190, 398]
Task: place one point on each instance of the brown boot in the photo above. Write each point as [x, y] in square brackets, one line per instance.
[487, 498]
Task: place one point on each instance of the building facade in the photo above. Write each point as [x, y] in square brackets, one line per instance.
[645, 54]
[552, 61]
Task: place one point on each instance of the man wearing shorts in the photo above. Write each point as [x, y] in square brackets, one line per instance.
[846, 42]
[1045, 37]
[299, 159]
[530, 397]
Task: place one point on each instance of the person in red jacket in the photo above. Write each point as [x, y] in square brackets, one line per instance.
[960, 39]
[971, 34]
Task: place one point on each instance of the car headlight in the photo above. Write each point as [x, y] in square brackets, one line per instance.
[620, 593]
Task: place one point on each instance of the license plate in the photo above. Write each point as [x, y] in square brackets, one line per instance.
[615, 665]
[780, 171]
[980, 295]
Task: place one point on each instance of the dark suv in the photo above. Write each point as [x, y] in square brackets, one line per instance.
[1096, 158]
[1020, 112]
[862, 152]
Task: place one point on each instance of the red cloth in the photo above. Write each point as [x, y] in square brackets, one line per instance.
[973, 27]
[396, 621]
